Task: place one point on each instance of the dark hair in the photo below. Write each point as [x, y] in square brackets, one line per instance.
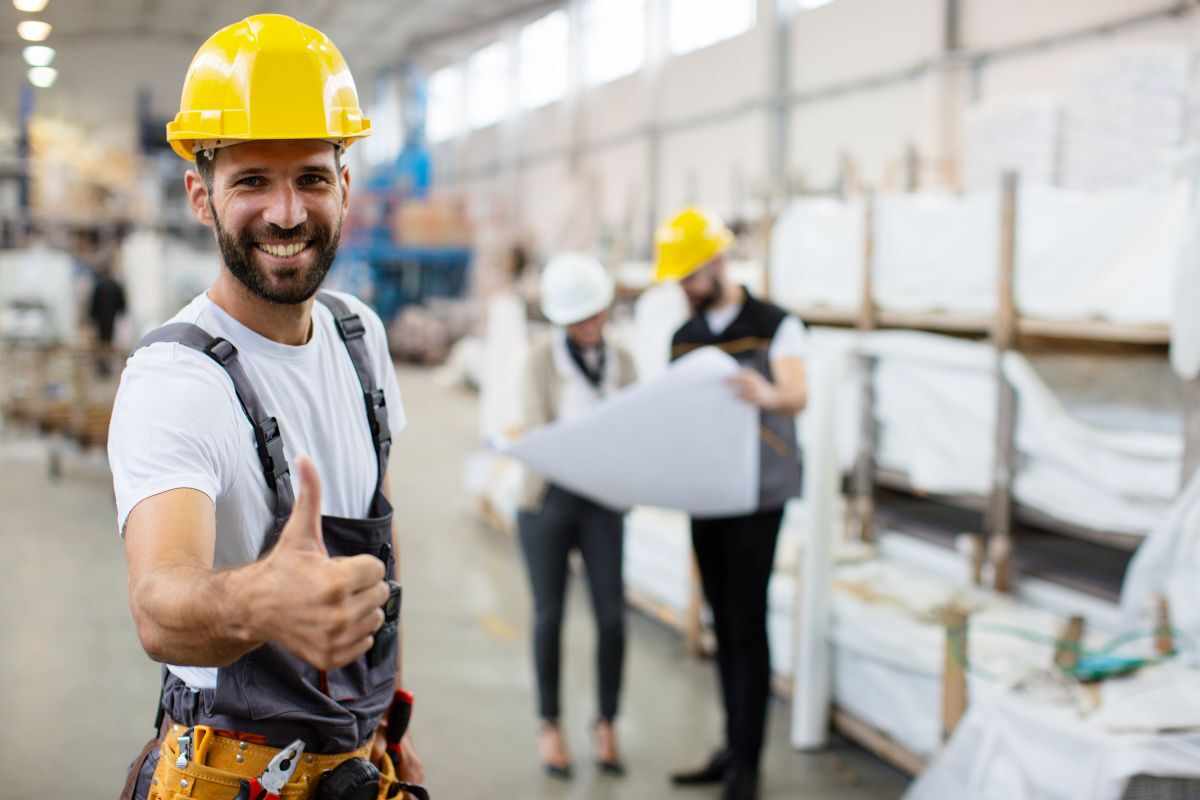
[206, 160]
[204, 166]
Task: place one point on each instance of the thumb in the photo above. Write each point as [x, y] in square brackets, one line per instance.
[303, 529]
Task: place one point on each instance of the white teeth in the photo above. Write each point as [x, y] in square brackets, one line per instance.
[282, 250]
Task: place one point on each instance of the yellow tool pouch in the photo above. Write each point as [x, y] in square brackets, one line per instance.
[218, 764]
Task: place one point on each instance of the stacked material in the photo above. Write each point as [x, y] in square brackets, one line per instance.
[1014, 133]
[161, 275]
[1165, 565]
[38, 294]
[437, 222]
[817, 253]
[1016, 747]
[1126, 116]
[658, 565]
[658, 558]
[1112, 465]
[1080, 255]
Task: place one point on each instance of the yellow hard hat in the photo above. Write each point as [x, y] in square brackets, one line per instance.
[687, 242]
[266, 77]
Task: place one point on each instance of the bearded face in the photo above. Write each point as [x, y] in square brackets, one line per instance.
[284, 266]
[277, 210]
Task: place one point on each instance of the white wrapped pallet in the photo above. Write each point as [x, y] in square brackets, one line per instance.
[1125, 116]
[1011, 133]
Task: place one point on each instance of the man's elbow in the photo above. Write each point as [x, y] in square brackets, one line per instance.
[151, 637]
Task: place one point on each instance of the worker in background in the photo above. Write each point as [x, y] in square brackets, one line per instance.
[249, 449]
[567, 374]
[736, 554]
[105, 306]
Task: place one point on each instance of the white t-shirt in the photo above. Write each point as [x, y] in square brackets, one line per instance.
[579, 396]
[788, 341]
[177, 423]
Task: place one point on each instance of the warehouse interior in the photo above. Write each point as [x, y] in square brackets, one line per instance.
[982, 213]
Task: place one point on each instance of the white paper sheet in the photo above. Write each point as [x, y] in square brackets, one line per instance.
[682, 440]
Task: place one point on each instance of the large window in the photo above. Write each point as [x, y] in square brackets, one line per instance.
[444, 119]
[543, 60]
[614, 39]
[387, 124]
[487, 85]
[693, 24]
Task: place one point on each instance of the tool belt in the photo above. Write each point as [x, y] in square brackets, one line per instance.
[220, 762]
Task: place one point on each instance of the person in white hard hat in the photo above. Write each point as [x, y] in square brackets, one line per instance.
[567, 374]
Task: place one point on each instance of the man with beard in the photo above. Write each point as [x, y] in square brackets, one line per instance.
[249, 448]
[736, 554]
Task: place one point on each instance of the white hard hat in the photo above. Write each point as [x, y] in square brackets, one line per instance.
[574, 288]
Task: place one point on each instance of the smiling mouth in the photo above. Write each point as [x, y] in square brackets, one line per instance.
[282, 250]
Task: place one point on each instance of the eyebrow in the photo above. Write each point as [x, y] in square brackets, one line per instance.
[245, 173]
[307, 169]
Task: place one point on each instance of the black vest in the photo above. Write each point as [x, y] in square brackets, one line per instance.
[748, 340]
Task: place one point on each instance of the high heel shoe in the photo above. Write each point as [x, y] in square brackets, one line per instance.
[609, 766]
[562, 772]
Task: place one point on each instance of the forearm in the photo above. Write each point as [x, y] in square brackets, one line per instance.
[789, 400]
[195, 616]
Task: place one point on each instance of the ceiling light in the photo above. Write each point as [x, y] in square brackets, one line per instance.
[38, 55]
[811, 5]
[33, 30]
[30, 6]
[43, 77]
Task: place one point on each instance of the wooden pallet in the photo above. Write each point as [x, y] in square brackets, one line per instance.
[878, 742]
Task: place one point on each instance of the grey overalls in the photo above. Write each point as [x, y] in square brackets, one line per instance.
[269, 692]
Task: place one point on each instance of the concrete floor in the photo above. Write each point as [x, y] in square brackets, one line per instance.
[77, 695]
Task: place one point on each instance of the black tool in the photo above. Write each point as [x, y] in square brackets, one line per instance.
[385, 637]
[399, 715]
[354, 779]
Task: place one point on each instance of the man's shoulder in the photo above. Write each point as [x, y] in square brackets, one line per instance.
[356, 306]
[376, 332]
[541, 350]
[169, 375]
[766, 310]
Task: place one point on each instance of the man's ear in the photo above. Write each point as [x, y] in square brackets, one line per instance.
[198, 199]
[345, 188]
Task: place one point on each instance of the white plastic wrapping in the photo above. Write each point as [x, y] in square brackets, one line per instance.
[1081, 255]
[1168, 563]
[812, 609]
[46, 276]
[1009, 749]
[935, 405]
[505, 344]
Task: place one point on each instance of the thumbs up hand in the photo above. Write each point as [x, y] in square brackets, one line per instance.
[324, 610]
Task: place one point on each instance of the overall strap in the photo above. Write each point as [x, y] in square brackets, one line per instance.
[267, 439]
[353, 332]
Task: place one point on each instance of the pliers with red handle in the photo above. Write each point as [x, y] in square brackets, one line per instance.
[279, 771]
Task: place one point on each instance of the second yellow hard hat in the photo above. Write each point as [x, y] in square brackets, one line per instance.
[687, 242]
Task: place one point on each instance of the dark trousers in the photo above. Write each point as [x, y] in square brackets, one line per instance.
[567, 522]
[736, 556]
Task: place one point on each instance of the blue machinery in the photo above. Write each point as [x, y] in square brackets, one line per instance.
[396, 274]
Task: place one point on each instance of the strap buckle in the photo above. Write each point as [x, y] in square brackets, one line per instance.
[270, 450]
[220, 350]
[377, 417]
[350, 327]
